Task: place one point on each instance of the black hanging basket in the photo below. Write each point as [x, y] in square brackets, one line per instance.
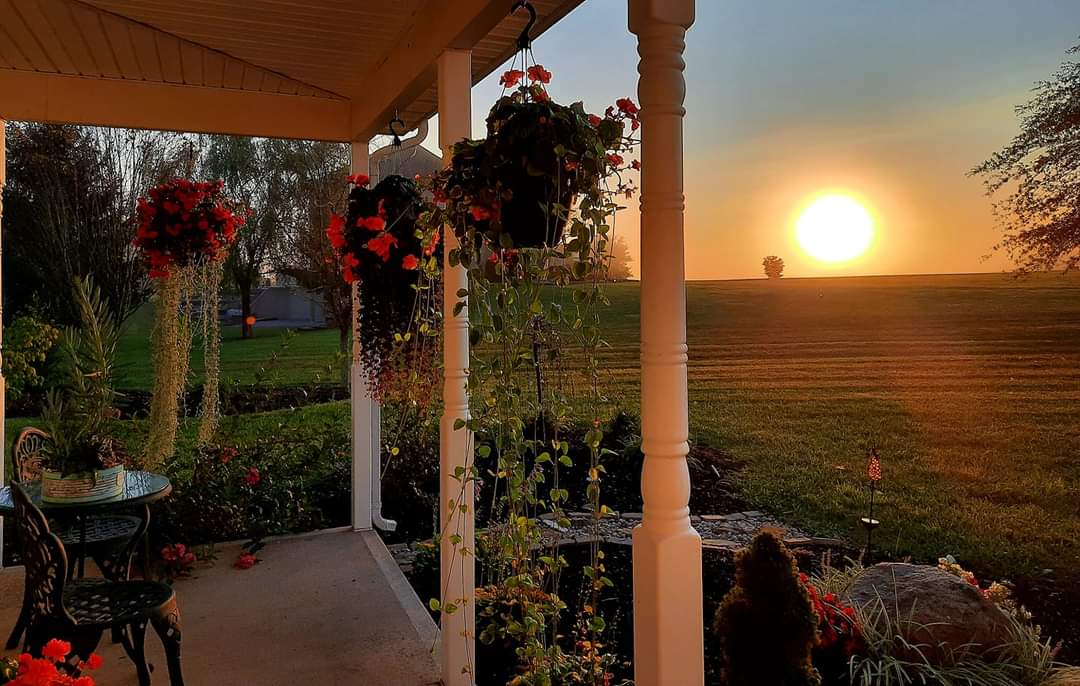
[387, 289]
[518, 185]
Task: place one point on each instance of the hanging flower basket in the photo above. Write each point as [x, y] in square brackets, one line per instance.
[378, 246]
[184, 223]
[185, 229]
[517, 186]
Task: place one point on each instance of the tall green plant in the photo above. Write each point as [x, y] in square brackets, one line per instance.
[76, 415]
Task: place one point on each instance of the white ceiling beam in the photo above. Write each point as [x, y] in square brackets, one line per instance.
[37, 96]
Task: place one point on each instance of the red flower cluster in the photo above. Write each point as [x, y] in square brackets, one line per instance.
[380, 244]
[46, 670]
[179, 554]
[538, 73]
[836, 621]
[184, 222]
[511, 78]
[253, 477]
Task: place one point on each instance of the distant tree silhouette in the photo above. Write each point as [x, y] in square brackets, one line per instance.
[1040, 216]
[774, 266]
[619, 267]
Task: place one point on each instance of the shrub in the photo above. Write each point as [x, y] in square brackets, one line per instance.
[285, 481]
[27, 343]
[766, 623]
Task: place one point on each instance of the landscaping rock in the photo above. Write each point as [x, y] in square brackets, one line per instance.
[945, 617]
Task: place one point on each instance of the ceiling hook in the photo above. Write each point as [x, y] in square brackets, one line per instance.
[397, 136]
[523, 41]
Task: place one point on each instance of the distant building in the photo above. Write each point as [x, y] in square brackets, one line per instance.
[285, 306]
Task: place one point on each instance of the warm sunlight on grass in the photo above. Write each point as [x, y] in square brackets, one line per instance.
[834, 227]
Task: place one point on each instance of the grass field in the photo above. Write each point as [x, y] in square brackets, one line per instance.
[969, 385]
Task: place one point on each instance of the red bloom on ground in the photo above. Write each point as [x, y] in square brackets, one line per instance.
[538, 73]
[253, 477]
[94, 662]
[511, 78]
[358, 179]
[56, 650]
[245, 561]
[410, 262]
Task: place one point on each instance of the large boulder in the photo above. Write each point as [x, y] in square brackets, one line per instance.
[945, 617]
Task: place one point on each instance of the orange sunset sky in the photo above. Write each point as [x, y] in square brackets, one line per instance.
[891, 102]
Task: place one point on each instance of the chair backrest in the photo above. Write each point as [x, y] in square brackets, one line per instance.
[27, 452]
[43, 557]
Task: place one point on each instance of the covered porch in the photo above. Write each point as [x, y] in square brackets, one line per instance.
[334, 600]
[340, 71]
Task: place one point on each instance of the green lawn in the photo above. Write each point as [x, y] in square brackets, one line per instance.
[304, 357]
[968, 386]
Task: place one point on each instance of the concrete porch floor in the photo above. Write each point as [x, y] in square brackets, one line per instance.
[325, 608]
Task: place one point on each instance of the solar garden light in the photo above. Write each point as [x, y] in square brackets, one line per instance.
[873, 473]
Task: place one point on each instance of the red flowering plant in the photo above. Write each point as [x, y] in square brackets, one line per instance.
[517, 187]
[184, 230]
[53, 668]
[183, 223]
[379, 245]
[177, 561]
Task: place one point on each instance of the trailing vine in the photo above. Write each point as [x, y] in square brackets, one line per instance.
[184, 231]
[532, 206]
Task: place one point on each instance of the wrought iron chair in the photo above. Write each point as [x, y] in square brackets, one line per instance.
[104, 535]
[80, 611]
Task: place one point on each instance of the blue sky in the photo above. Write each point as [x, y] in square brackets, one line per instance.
[891, 101]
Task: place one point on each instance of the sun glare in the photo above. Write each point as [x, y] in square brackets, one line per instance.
[834, 228]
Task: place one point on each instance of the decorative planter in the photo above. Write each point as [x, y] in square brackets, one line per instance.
[102, 484]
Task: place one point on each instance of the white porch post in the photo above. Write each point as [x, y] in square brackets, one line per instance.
[3, 382]
[668, 632]
[365, 412]
[457, 562]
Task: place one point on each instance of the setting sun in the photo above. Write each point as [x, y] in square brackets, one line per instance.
[834, 228]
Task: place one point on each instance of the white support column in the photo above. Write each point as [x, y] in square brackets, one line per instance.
[668, 627]
[457, 562]
[365, 412]
[3, 382]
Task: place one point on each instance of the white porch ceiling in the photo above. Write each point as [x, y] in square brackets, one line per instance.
[326, 69]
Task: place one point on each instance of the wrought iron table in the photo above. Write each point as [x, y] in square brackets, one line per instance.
[140, 488]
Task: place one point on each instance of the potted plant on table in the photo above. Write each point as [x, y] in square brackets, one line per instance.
[81, 461]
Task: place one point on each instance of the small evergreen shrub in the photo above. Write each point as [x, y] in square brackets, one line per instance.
[766, 623]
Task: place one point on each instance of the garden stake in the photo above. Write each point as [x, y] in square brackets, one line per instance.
[873, 470]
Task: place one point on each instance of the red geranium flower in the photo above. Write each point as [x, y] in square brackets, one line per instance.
[594, 120]
[615, 159]
[636, 165]
[480, 212]
[253, 477]
[358, 179]
[372, 223]
[410, 262]
[511, 78]
[56, 650]
[538, 73]
[245, 561]
[626, 106]
[381, 244]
